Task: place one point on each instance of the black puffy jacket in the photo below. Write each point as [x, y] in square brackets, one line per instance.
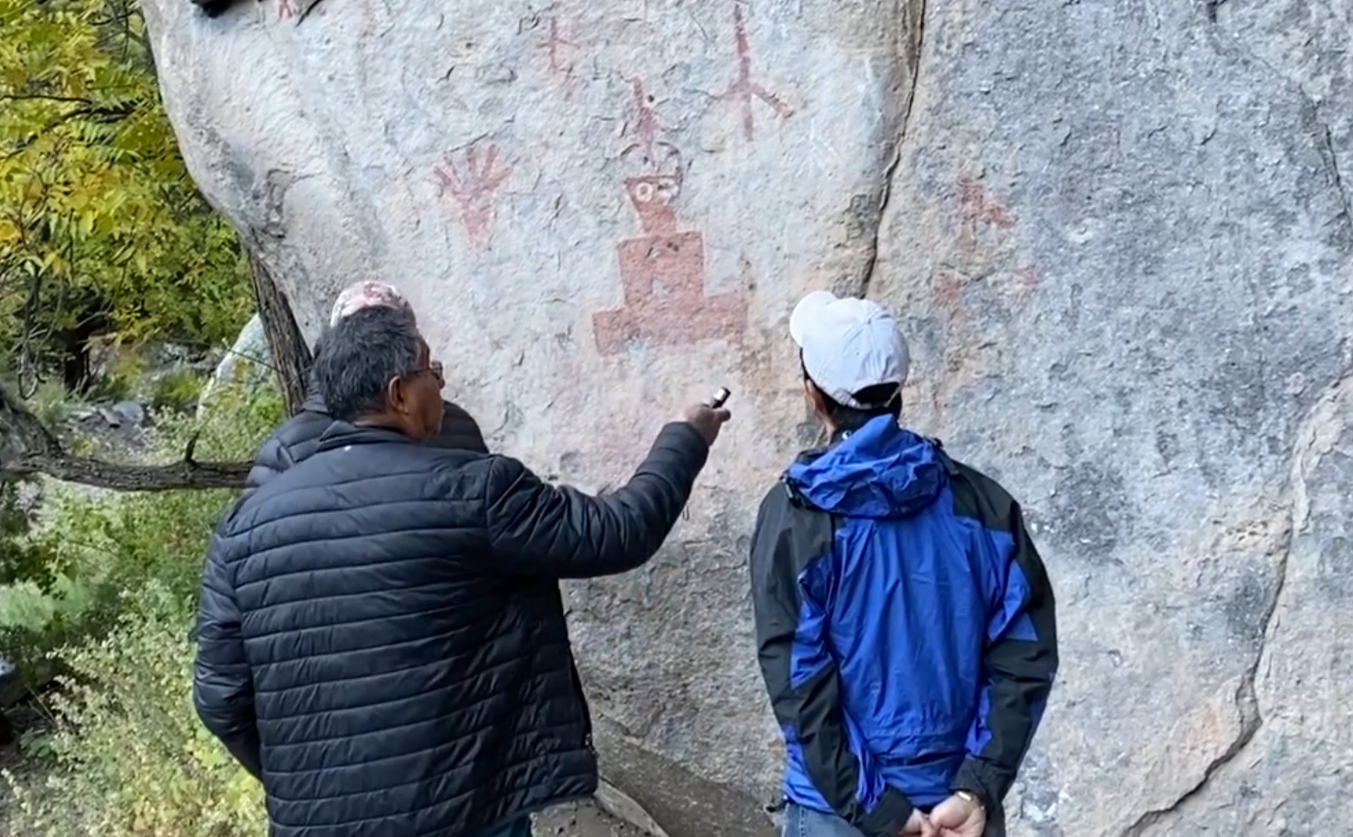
[298, 437]
[382, 640]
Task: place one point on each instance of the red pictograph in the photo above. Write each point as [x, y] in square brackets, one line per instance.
[662, 275]
[976, 207]
[985, 238]
[471, 177]
[948, 291]
[644, 129]
[744, 89]
[555, 45]
[286, 9]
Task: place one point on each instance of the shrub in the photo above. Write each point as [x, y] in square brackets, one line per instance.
[21, 559]
[95, 547]
[130, 756]
[177, 389]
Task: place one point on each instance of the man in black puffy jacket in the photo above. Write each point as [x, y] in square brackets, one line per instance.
[298, 437]
[381, 636]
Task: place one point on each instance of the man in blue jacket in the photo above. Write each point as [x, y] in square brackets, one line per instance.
[905, 623]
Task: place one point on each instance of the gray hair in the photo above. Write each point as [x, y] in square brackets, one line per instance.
[360, 356]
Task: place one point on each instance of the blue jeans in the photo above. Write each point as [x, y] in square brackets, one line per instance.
[805, 822]
[520, 827]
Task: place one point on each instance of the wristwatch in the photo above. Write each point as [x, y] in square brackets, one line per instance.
[971, 797]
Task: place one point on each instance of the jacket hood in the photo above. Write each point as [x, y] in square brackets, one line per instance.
[881, 471]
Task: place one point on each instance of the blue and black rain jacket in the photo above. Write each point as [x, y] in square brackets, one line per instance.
[905, 626]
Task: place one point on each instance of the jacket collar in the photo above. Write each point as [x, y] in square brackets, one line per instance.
[314, 402]
[343, 434]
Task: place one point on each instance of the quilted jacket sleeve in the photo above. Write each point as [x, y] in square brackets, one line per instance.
[223, 685]
[543, 530]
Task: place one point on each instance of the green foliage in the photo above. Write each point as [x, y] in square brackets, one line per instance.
[176, 389]
[92, 548]
[102, 232]
[101, 228]
[131, 756]
[21, 559]
[51, 403]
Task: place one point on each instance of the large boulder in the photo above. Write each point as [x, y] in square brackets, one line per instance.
[245, 367]
[1117, 236]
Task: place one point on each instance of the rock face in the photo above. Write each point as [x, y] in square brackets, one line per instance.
[1116, 233]
[246, 365]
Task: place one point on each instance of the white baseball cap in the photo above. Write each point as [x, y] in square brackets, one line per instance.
[848, 345]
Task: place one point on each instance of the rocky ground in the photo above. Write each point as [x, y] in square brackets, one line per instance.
[586, 820]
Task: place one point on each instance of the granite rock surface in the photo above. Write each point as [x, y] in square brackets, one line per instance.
[1118, 236]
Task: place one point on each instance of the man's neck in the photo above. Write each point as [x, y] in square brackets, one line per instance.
[837, 432]
[381, 421]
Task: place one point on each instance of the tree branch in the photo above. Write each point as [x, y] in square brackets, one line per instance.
[96, 472]
[40, 452]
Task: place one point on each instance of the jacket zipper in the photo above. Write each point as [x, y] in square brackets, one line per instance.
[587, 711]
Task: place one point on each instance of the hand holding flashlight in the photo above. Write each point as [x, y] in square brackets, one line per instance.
[708, 418]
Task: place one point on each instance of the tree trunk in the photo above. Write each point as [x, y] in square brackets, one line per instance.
[73, 343]
[75, 366]
[291, 357]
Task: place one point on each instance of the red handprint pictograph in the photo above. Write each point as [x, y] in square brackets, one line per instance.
[471, 178]
[744, 89]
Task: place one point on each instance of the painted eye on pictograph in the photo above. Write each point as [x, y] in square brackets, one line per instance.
[643, 192]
